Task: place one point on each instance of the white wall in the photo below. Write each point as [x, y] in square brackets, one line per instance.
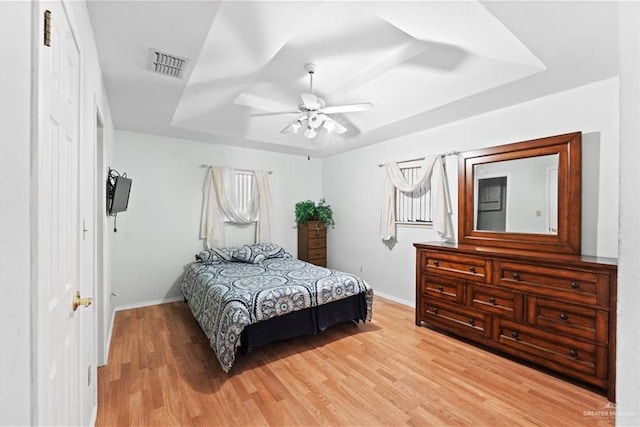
[15, 268]
[18, 305]
[158, 235]
[353, 182]
[628, 379]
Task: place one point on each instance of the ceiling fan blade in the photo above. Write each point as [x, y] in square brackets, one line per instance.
[338, 128]
[275, 113]
[347, 108]
[332, 125]
[287, 129]
[310, 101]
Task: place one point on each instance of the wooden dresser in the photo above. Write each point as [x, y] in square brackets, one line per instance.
[312, 243]
[554, 310]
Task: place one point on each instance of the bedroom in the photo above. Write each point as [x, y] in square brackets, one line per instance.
[166, 197]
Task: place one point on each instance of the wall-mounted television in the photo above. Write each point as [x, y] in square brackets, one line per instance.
[118, 194]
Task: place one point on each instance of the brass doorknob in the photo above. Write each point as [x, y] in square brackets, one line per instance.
[77, 301]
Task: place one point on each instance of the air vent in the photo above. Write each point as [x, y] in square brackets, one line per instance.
[167, 64]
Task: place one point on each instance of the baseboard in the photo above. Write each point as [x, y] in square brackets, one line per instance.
[394, 299]
[107, 344]
[148, 303]
[94, 415]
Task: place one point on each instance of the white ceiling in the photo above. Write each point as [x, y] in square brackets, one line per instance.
[421, 63]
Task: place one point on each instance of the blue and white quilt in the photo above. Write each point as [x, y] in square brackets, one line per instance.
[231, 288]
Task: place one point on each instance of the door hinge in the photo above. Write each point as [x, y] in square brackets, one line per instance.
[47, 28]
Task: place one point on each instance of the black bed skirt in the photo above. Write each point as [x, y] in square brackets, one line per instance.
[304, 322]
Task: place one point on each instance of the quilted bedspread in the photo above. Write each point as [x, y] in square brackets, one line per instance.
[226, 297]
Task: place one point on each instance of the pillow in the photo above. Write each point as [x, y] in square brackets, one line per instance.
[209, 257]
[272, 250]
[216, 255]
[247, 254]
[259, 252]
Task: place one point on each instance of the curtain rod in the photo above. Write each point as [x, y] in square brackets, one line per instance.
[241, 170]
[448, 153]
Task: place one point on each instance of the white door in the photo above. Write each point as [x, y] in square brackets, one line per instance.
[56, 246]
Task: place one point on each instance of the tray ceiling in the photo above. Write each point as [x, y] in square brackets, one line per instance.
[421, 64]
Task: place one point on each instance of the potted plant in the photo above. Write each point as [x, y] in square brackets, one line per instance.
[325, 214]
[307, 210]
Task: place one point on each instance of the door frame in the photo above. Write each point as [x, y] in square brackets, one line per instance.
[101, 291]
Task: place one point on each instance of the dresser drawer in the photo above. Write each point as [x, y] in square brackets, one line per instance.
[454, 318]
[492, 299]
[317, 253]
[570, 285]
[317, 243]
[569, 319]
[313, 233]
[580, 359]
[460, 266]
[441, 288]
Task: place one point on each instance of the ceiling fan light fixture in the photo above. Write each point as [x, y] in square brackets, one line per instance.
[315, 120]
[310, 132]
[314, 113]
[329, 125]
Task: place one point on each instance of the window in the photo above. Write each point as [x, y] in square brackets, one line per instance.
[415, 207]
[243, 191]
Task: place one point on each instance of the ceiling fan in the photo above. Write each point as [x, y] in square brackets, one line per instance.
[312, 113]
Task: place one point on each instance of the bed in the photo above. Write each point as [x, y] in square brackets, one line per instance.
[247, 296]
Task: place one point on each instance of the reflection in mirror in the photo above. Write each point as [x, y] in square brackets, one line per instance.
[519, 195]
[542, 209]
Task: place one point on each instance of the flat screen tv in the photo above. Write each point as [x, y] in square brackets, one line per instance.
[120, 195]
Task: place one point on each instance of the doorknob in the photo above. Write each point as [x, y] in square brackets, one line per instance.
[77, 301]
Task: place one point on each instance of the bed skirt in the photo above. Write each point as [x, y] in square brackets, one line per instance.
[308, 321]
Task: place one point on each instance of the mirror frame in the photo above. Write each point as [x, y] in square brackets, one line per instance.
[568, 237]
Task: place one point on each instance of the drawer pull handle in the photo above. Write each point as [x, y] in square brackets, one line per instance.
[516, 276]
[472, 269]
[563, 316]
[436, 262]
[492, 300]
[515, 334]
[440, 288]
[573, 352]
[575, 285]
[472, 321]
[435, 310]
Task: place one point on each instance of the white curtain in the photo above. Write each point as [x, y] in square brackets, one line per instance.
[219, 202]
[431, 167]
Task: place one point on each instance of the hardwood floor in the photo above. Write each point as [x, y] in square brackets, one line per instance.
[161, 371]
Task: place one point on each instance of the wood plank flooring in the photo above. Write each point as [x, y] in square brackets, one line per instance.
[388, 372]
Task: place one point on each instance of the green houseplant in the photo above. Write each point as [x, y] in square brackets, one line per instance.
[325, 214]
[307, 210]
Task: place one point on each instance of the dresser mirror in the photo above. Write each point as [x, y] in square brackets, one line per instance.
[525, 195]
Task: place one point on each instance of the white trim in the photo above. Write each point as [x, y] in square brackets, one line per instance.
[107, 343]
[415, 224]
[94, 414]
[393, 298]
[146, 304]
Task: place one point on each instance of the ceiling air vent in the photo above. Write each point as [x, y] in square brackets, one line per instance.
[167, 64]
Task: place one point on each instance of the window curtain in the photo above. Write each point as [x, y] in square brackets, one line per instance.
[431, 167]
[219, 202]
